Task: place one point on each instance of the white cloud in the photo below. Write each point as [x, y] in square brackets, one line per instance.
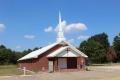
[68, 27]
[2, 27]
[29, 36]
[82, 37]
[49, 29]
[75, 27]
[71, 40]
[72, 27]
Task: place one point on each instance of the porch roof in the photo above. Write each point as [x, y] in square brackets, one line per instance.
[57, 52]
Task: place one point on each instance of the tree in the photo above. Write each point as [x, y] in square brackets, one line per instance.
[26, 51]
[94, 50]
[116, 46]
[96, 47]
[2, 47]
[36, 48]
[102, 38]
[7, 56]
[111, 55]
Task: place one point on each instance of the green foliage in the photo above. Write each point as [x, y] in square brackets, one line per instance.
[102, 39]
[96, 48]
[7, 56]
[116, 45]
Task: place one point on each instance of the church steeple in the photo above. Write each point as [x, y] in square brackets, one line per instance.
[60, 34]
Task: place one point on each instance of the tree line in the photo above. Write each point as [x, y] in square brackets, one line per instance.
[97, 48]
[8, 56]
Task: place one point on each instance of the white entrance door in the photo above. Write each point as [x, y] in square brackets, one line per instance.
[50, 66]
[62, 63]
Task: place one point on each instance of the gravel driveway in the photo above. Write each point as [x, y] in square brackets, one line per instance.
[96, 73]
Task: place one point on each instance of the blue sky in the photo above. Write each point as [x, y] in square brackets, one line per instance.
[23, 23]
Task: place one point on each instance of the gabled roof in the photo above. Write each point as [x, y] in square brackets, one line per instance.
[78, 51]
[38, 52]
[58, 51]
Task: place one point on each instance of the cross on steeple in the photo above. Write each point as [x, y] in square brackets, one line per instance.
[60, 35]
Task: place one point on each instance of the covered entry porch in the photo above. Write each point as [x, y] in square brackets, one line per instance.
[66, 64]
[66, 58]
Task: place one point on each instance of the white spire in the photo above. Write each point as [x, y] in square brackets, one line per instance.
[60, 35]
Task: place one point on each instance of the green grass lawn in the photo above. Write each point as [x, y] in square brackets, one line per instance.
[8, 70]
